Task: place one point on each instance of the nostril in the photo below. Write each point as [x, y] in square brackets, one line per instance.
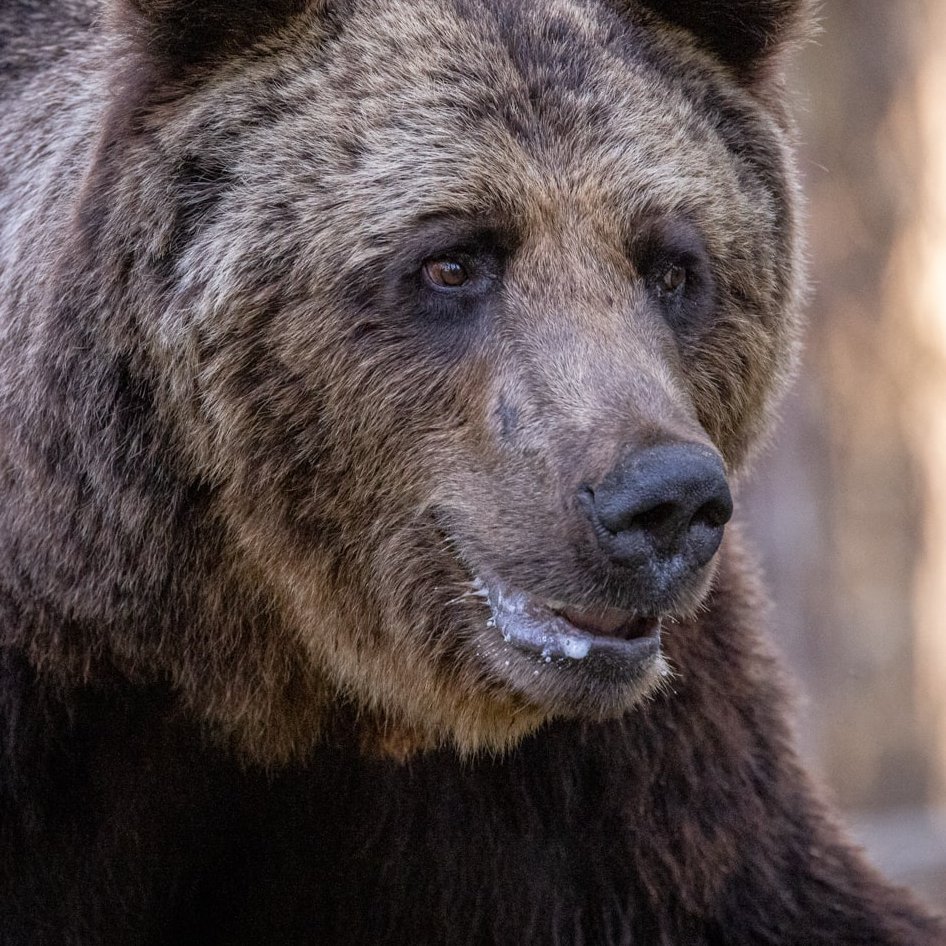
[714, 513]
[658, 518]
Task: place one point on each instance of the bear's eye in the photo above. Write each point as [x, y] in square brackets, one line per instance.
[445, 273]
[672, 280]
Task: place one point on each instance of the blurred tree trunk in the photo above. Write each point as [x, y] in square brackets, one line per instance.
[848, 509]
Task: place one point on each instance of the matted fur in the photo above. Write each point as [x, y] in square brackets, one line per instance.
[250, 480]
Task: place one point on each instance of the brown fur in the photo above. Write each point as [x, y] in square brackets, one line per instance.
[246, 462]
[261, 376]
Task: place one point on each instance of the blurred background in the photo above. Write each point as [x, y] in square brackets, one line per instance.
[848, 507]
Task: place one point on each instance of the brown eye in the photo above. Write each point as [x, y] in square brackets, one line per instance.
[446, 273]
[673, 279]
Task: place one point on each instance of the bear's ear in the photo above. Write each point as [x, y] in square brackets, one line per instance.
[191, 31]
[742, 33]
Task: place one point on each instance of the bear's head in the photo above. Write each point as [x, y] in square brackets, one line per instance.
[459, 314]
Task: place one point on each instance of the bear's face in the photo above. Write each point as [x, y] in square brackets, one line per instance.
[438, 273]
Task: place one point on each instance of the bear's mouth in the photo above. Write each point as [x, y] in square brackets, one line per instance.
[562, 632]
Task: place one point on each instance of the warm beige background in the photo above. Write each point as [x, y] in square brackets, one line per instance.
[848, 509]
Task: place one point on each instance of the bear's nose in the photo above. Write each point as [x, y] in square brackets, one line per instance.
[662, 505]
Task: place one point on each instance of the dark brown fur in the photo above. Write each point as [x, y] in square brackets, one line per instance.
[251, 471]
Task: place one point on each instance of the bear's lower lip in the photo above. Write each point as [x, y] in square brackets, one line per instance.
[565, 633]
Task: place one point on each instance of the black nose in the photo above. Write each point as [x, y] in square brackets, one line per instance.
[664, 506]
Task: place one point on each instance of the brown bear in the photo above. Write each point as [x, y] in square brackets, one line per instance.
[372, 376]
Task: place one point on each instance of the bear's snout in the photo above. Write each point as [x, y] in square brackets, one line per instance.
[661, 512]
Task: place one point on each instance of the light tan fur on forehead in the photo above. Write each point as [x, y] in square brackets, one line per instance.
[450, 147]
[428, 143]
